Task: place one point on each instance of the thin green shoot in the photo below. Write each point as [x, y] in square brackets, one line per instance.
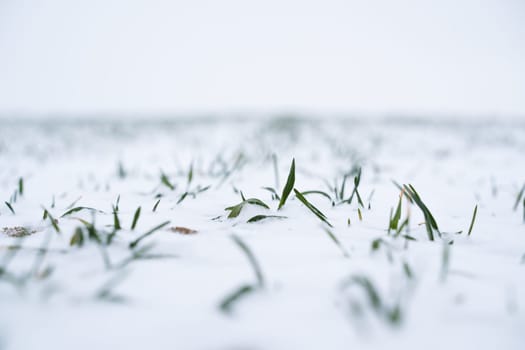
[472, 221]
[10, 207]
[251, 259]
[164, 179]
[336, 241]
[257, 218]
[289, 185]
[518, 198]
[156, 205]
[312, 208]
[135, 218]
[134, 243]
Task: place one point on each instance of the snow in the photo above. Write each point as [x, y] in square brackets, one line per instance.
[172, 301]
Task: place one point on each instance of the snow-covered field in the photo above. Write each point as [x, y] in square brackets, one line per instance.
[287, 282]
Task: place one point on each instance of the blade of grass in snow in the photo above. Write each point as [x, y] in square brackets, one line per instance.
[337, 242]
[21, 186]
[134, 243]
[10, 207]
[135, 218]
[251, 259]
[263, 217]
[273, 192]
[313, 209]
[397, 216]
[391, 314]
[155, 206]
[77, 209]
[472, 221]
[357, 181]
[430, 222]
[190, 174]
[116, 208]
[116, 221]
[289, 185]
[342, 190]
[53, 221]
[166, 181]
[321, 193]
[229, 301]
[518, 198]
[78, 238]
[106, 291]
[236, 209]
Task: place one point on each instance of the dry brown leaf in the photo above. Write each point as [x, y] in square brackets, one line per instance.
[183, 230]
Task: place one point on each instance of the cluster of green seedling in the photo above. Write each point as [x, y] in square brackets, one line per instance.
[396, 225]
[188, 192]
[235, 210]
[430, 223]
[88, 233]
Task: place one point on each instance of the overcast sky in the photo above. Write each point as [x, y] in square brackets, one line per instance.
[394, 57]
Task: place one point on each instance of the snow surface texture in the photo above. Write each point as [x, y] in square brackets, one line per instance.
[390, 291]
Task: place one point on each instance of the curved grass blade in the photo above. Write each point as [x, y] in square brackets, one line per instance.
[263, 217]
[430, 222]
[313, 209]
[472, 221]
[77, 209]
[226, 305]
[155, 206]
[258, 202]
[273, 192]
[236, 209]
[153, 230]
[322, 193]
[289, 185]
[251, 258]
[337, 242]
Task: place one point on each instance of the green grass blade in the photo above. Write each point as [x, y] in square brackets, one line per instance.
[263, 217]
[77, 209]
[289, 185]
[10, 207]
[520, 194]
[313, 209]
[134, 243]
[337, 242]
[164, 179]
[116, 221]
[155, 206]
[21, 186]
[472, 221]
[135, 218]
[252, 260]
[226, 305]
